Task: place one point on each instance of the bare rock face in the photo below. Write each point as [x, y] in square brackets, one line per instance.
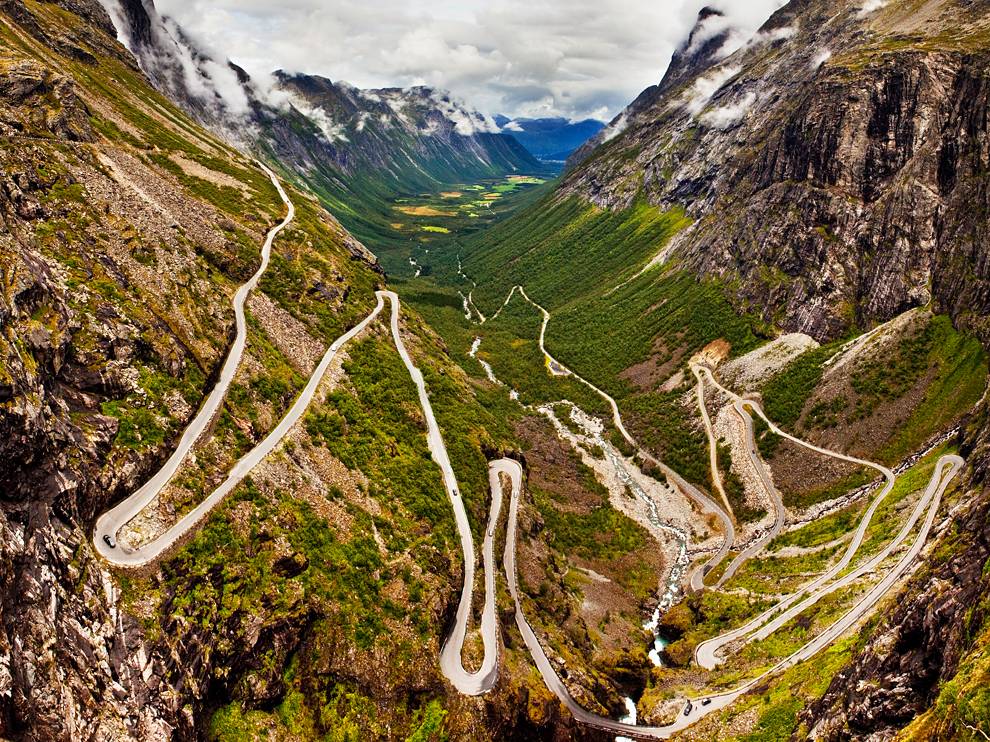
[92, 11]
[34, 100]
[71, 659]
[77, 330]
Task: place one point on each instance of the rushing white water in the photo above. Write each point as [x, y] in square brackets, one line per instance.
[467, 306]
[659, 644]
[489, 371]
[672, 593]
[629, 718]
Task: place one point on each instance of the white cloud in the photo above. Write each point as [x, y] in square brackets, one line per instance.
[576, 58]
[212, 83]
[466, 122]
[773, 35]
[615, 128]
[708, 30]
[698, 95]
[872, 6]
[725, 116]
[821, 58]
[333, 131]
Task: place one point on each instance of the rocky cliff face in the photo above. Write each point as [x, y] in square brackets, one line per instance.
[114, 315]
[830, 164]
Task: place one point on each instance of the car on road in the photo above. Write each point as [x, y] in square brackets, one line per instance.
[109, 541]
[688, 709]
[706, 702]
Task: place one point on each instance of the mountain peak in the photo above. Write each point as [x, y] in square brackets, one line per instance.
[703, 47]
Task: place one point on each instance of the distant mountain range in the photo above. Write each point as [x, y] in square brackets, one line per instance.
[550, 139]
[417, 136]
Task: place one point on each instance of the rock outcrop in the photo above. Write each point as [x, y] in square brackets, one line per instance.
[703, 48]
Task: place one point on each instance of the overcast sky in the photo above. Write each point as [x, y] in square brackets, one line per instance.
[575, 58]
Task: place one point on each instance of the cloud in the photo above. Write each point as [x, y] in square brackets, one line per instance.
[698, 95]
[174, 61]
[332, 130]
[615, 128]
[466, 122]
[726, 116]
[821, 58]
[773, 35]
[578, 58]
[871, 6]
[708, 29]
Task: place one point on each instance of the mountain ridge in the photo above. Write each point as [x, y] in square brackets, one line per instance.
[435, 138]
[769, 129]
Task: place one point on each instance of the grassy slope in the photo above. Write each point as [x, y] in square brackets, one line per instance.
[581, 263]
[949, 367]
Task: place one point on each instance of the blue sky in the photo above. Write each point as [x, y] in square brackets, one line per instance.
[575, 58]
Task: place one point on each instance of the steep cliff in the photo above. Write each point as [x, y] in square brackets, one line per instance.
[830, 165]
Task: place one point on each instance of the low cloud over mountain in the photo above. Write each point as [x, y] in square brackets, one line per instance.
[523, 58]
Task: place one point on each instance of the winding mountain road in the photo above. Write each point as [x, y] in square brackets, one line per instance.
[763, 626]
[704, 502]
[706, 652]
[712, 442]
[946, 469]
[451, 663]
[780, 512]
[110, 523]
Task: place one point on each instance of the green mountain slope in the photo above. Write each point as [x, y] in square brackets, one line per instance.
[314, 599]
